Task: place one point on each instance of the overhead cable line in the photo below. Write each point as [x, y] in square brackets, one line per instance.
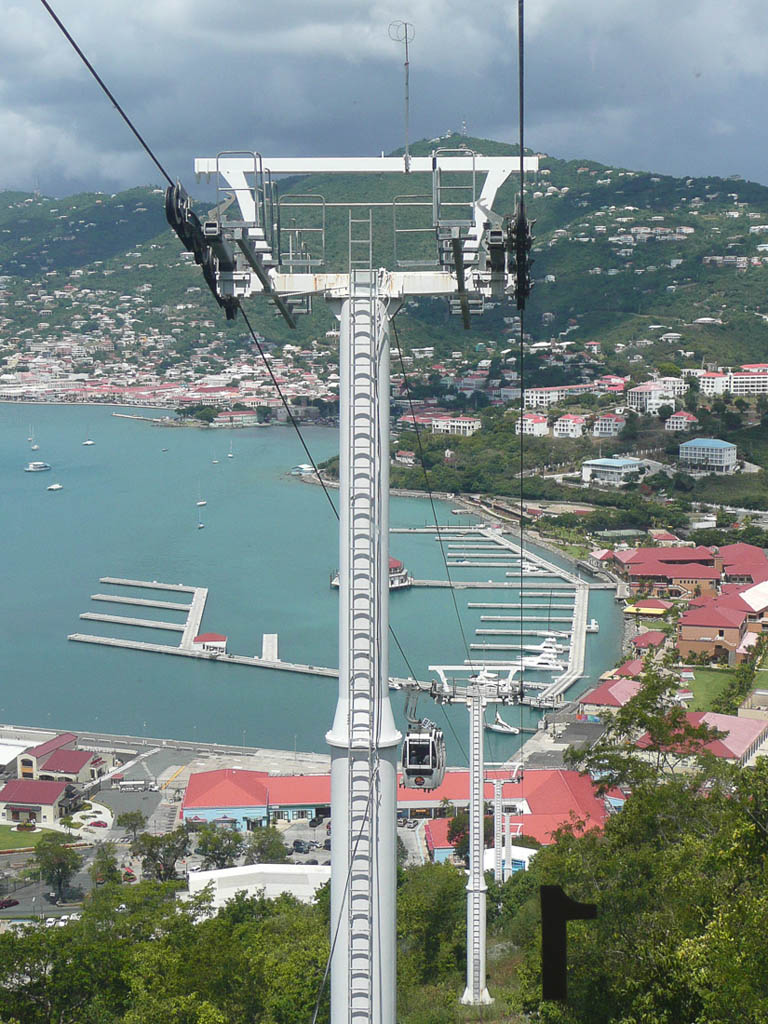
[429, 492]
[99, 79]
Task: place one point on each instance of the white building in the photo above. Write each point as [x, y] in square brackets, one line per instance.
[681, 421]
[532, 424]
[570, 425]
[213, 643]
[613, 472]
[542, 398]
[709, 454]
[609, 424]
[651, 396]
[466, 426]
[300, 880]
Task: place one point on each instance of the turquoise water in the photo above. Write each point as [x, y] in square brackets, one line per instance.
[128, 509]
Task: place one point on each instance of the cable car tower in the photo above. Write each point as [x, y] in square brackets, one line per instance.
[256, 242]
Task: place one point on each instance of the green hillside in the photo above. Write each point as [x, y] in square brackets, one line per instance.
[588, 281]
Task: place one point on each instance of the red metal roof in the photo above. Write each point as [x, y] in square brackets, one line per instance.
[205, 638]
[614, 693]
[550, 793]
[66, 761]
[62, 740]
[652, 638]
[31, 791]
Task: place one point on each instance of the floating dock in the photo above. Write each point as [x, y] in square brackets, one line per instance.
[144, 602]
[124, 620]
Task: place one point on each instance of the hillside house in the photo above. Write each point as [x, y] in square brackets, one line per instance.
[681, 421]
[532, 424]
[609, 424]
[570, 425]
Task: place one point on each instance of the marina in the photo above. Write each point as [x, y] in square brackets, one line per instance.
[128, 512]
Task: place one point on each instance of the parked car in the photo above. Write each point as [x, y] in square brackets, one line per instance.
[311, 861]
[327, 844]
[299, 846]
[413, 823]
[4, 904]
[316, 821]
[100, 824]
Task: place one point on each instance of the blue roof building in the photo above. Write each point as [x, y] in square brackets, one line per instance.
[708, 454]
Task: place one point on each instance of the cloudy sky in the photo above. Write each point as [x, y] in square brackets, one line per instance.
[678, 86]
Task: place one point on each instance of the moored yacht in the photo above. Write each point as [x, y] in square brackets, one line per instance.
[399, 577]
[36, 467]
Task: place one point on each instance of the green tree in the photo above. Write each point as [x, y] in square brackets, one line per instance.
[458, 833]
[103, 867]
[132, 821]
[265, 846]
[669, 742]
[56, 861]
[160, 853]
[219, 846]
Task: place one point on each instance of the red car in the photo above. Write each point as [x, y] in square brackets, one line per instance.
[4, 904]
[100, 824]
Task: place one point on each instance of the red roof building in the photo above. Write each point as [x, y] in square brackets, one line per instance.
[741, 740]
[28, 763]
[546, 798]
[609, 696]
[32, 800]
[649, 639]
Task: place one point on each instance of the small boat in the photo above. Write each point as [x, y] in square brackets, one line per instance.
[163, 449]
[88, 441]
[55, 487]
[201, 502]
[230, 453]
[35, 448]
[303, 469]
[499, 725]
[31, 435]
[399, 577]
[36, 467]
[215, 462]
[593, 626]
[201, 526]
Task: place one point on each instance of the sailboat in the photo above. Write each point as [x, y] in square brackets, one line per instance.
[499, 725]
[31, 435]
[230, 453]
[88, 440]
[201, 502]
[200, 523]
[35, 447]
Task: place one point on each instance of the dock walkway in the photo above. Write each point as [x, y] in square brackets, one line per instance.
[125, 620]
[154, 585]
[144, 602]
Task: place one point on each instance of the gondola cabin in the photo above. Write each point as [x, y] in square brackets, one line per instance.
[423, 758]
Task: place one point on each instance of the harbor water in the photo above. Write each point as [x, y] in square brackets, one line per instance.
[128, 508]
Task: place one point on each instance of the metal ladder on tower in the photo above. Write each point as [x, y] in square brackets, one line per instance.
[365, 628]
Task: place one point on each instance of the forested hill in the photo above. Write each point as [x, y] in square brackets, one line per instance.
[616, 252]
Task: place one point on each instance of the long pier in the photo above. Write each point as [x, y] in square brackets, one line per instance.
[147, 585]
[463, 584]
[125, 620]
[144, 602]
[395, 682]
